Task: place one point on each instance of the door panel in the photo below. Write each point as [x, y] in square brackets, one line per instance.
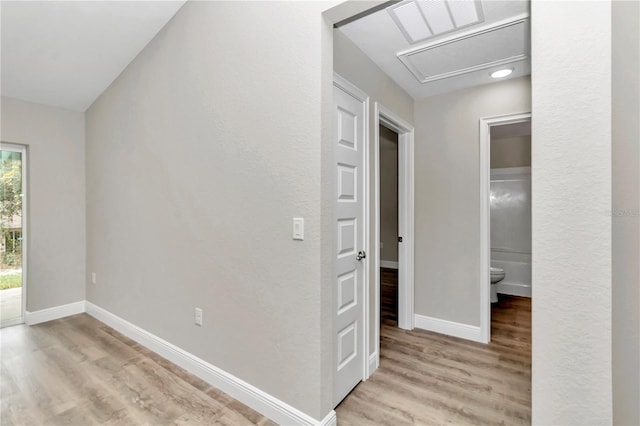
[349, 131]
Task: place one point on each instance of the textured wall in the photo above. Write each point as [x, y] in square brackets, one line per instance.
[626, 211]
[571, 185]
[198, 157]
[447, 195]
[388, 194]
[352, 64]
[56, 209]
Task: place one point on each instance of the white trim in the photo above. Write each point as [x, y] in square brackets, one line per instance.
[57, 312]
[363, 97]
[244, 392]
[376, 240]
[14, 321]
[485, 215]
[450, 328]
[383, 115]
[405, 211]
[374, 362]
[351, 89]
[22, 149]
[513, 289]
[366, 190]
[388, 264]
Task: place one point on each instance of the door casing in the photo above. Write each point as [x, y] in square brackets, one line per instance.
[405, 131]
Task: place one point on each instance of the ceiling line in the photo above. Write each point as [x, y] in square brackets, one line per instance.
[365, 13]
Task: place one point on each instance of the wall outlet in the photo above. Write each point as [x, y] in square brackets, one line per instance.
[199, 317]
[93, 278]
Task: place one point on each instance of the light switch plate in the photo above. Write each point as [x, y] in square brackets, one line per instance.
[298, 228]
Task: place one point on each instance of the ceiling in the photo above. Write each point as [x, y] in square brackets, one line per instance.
[66, 53]
[430, 47]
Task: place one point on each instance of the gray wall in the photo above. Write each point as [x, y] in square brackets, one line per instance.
[447, 195]
[626, 211]
[388, 194]
[56, 199]
[198, 157]
[511, 152]
[352, 64]
[571, 226]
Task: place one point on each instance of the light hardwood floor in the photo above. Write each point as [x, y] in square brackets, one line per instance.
[429, 379]
[78, 371]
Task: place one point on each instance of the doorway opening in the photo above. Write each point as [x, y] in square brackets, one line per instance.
[389, 233]
[13, 188]
[505, 217]
[393, 287]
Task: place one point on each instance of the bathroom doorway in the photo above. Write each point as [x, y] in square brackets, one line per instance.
[505, 153]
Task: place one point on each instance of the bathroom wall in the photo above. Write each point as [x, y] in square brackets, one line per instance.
[511, 152]
[388, 196]
[447, 195]
[511, 228]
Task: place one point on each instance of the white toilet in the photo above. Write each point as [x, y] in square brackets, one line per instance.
[497, 275]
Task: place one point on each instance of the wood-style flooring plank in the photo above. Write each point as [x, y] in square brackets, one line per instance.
[427, 378]
[78, 371]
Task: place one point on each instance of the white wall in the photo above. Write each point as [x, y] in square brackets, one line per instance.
[626, 211]
[352, 64]
[571, 181]
[56, 199]
[198, 157]
[447, 195]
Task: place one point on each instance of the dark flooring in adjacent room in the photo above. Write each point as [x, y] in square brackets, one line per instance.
[427, 378]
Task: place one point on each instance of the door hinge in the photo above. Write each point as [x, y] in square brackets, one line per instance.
[399, 239]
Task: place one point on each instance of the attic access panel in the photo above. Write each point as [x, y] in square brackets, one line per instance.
[467, 52]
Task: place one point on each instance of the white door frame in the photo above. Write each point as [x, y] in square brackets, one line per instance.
[485, 215]
[360, 95]
[22, 149]
[388, 118]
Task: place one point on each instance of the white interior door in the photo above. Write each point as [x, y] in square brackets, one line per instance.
[349, 261]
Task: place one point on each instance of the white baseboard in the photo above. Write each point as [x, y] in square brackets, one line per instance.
[513, 289]
[450, 328]
[267, 405]
[57, 312]
[388, 264]
[373, 363]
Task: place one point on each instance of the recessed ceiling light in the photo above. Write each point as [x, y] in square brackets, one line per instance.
[502, 73]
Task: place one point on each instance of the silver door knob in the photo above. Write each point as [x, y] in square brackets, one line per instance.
[361, 255]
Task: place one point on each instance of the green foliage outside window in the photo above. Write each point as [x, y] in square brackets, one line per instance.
[10, 208]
